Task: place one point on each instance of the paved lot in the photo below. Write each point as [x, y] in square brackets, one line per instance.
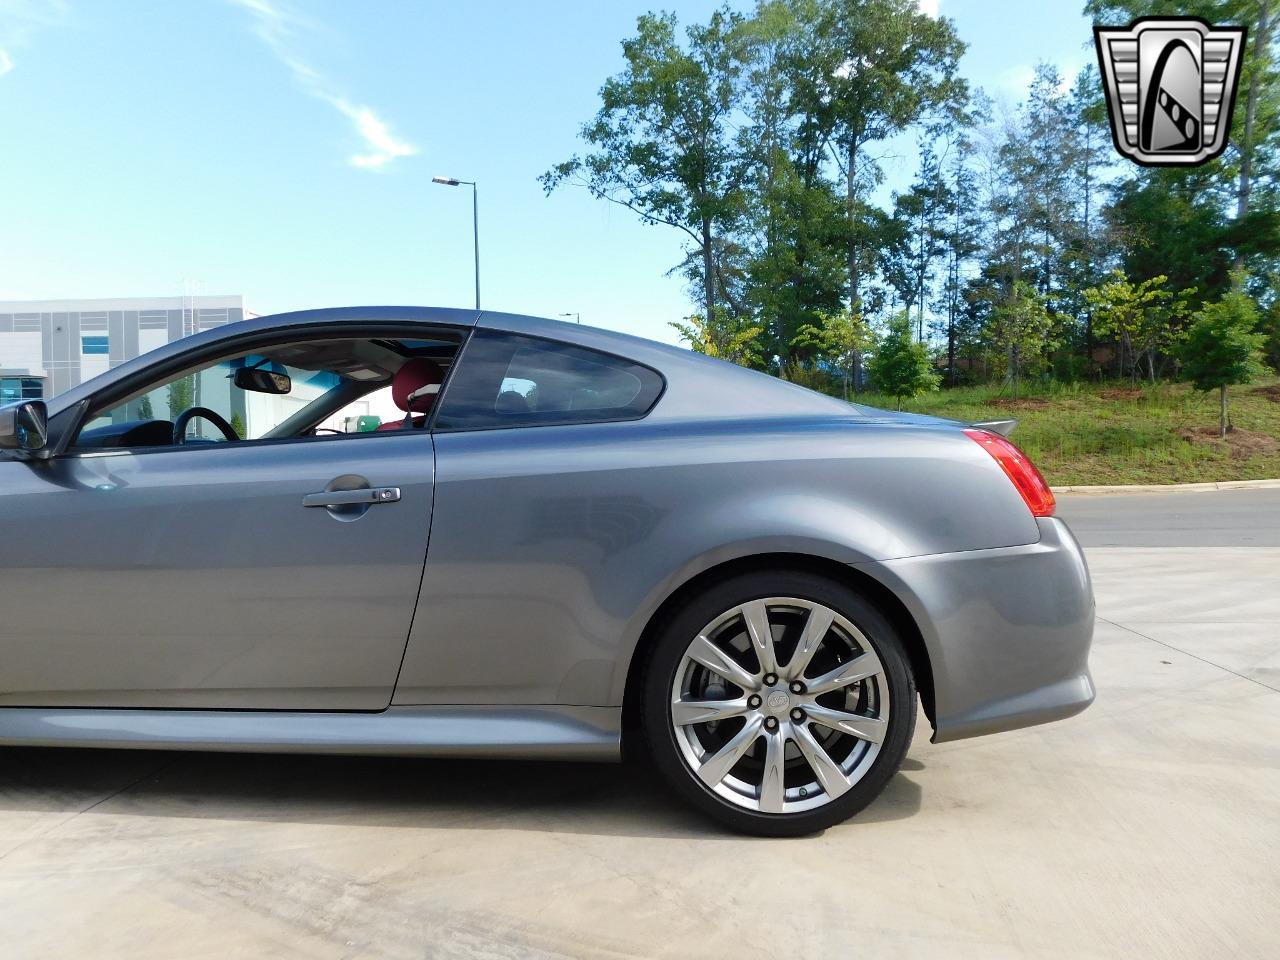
[1147, 827]
[1236, 518]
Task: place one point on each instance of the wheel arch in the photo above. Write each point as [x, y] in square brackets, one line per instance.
[884, 598]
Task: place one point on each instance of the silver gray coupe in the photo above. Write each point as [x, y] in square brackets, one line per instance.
[452, 533]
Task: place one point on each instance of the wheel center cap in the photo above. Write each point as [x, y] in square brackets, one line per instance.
[777, 701]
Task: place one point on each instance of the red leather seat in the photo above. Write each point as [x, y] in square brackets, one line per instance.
[415, 377]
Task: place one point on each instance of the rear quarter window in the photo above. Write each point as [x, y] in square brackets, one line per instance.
[505, 380]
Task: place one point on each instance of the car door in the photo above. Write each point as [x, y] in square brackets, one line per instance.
[279, 575]
[542, 526]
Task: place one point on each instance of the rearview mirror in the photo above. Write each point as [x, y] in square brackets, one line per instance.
[24, 426]
[258, 380]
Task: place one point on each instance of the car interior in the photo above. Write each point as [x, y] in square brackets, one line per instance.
[317, 388]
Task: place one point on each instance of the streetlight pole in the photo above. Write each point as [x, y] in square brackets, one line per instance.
[475, 220]
[573, 313]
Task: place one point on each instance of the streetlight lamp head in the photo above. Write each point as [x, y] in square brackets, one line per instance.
[475, 220]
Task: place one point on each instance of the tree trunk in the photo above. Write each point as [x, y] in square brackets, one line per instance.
[951, 348]
[951, 320]
[708, 271]
[924, 268]
[855, 305]
[1263, 38]
[1222, 411]
[1088, 344]
[1088, 254]
[851, 198]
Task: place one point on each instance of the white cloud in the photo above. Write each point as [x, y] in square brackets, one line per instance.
[1017, 80]
[929, 8]
[19, 19]
[384, 147]
[278, 27]
[20, 14]
[850, 68]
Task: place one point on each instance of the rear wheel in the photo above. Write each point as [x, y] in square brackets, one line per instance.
[779, 703]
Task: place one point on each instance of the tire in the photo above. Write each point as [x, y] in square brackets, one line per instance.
[744, 752]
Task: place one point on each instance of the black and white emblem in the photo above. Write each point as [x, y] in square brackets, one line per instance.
[1170, 84]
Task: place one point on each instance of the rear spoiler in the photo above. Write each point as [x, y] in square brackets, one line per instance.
[1002, 427]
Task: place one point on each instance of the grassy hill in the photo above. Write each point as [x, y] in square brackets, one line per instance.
[1116, 433]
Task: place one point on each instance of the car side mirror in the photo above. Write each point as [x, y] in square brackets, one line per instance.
[258, 380]
[24, 426]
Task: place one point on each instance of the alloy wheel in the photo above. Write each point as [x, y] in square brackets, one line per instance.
[780, 705]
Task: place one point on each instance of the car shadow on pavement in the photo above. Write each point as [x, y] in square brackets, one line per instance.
[607, 799]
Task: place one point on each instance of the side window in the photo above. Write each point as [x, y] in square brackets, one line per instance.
[292, 390]
[364, 415]
[505, 380]
[147, 419]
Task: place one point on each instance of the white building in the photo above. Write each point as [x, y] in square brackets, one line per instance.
[49, 346]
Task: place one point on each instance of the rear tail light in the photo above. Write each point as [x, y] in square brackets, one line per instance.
[1026, 478]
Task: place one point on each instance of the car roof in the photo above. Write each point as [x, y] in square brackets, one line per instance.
[698, 387]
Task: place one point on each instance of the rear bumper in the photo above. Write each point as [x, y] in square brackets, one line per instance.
[1007, 631]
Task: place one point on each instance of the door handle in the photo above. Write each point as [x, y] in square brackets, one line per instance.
[346, 498]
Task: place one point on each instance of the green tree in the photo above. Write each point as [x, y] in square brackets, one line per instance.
[755, 135]
[1222, 348]
[182, 395]
[920, 213]
[795, 270]
[1170, 223]
[840, 339]
[794, 229]
[1145, 317]
[959, 235]
[1045, 168]
[1271, 330]
[900, 365]
[663, 140]
[1022, 329]
[1028, 158]
[875, 68]
[728, 337]
[1084, 256]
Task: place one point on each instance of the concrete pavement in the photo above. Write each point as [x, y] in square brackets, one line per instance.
[1146, 827]
[1234, 518]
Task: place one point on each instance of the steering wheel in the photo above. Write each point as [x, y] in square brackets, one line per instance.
[186, 416]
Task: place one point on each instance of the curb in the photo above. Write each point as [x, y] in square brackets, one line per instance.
[1104, 491]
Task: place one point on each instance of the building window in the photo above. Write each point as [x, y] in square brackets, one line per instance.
[13, 389]
[95, 346]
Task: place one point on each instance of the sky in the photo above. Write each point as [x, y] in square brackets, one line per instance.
[284, 149]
